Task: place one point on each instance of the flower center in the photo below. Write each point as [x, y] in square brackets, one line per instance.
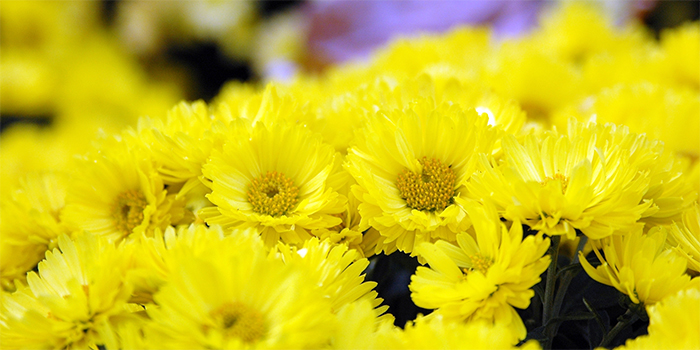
[431, 190]
[557, 177]
[272, 194]
[240, 321]
[127, 210]
[479, 263]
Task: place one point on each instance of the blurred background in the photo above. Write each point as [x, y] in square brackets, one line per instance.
[114, 61]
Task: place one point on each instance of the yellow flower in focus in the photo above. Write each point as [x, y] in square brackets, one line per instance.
[30, 223]
[436, 332]
[234, 296]
[117, 192]
[273, 178]
[410, 165]
[485, 275]
[685, 237]
[560, 184]
[78, 291]
[673, 323]
[639, 265]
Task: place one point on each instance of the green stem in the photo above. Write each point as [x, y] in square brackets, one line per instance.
[623, 321]
[552, 328]
[548, 306]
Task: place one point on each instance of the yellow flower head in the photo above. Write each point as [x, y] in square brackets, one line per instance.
[673, 323]
[274, 178]
[485, 275]
[639, 265]
[79, 290]
[562, 183]
[410, 165]
[117, 192]
[30, 223]
[685, 237]
[234, 296]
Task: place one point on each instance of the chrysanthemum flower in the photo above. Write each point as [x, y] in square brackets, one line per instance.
[30, 223]
[485, 275]
[440, 333]
[117, 192]
[639, 265]
[673, 323]
[274, 178]
[77, 293]
[561, 184]
[410, 166]
[236, 298]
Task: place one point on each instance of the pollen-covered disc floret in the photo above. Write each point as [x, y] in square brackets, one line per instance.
[430, 190]
[127, 210]
[272, 194]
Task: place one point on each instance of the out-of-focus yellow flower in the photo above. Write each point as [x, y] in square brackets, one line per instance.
[336, 270]
[560, 184]
[234, 298]
[117, 192]
[673, 323]
[485, 275]
[575, 31]
[685, 237]
[639, 265]
[436, 332]
[665, 113]
[681, 48]
[538, 80]
[274, 178]
[79, 290]
[410, 165]
[30, 223]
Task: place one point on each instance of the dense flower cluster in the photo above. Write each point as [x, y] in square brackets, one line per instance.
[249, 221]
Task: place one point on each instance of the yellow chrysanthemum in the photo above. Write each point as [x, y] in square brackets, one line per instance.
[238, 298]
[673, 323]
[433, 332]
[681, 48]
[576, 30]
[560, 184]
[336, 270]
[117, 192]
[685, 237]
[78, 291]
[274, 178]
[485, 275]
[665, 113]
[410, 165]
[537, 79]
[639, 265]
[30, 224]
